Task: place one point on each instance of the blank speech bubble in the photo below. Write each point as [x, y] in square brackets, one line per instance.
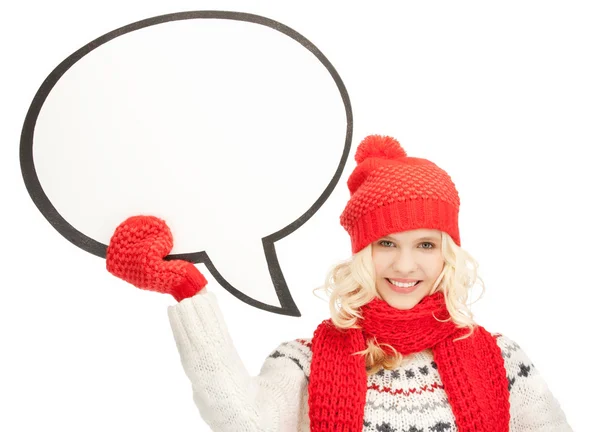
[232, 127]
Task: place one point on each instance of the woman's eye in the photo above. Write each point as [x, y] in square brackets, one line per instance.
[387, 243]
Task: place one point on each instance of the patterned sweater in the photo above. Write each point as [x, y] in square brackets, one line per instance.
[410, 398]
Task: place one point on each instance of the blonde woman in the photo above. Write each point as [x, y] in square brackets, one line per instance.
[401, 351]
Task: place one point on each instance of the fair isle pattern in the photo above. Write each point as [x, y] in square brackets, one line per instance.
[298, 352]
[524, 369]
[411, 398]
[534, 396]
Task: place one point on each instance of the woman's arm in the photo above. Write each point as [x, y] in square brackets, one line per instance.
[533, 408]
[227, 397]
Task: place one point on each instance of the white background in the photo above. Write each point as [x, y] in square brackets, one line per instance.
[505, 98]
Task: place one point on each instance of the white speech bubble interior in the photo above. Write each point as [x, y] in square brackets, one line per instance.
[228, 130]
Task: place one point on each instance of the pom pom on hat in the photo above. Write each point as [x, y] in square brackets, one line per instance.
[379, 146]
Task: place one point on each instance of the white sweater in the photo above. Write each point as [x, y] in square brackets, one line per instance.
[410, 398]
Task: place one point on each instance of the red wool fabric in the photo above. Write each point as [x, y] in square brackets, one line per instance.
[472, 369]
[135, 254]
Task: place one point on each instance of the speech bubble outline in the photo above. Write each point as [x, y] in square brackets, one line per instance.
[41, 200]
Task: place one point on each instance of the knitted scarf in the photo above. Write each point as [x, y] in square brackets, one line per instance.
[471, 369]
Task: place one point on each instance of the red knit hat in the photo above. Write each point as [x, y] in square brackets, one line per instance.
[391, 192]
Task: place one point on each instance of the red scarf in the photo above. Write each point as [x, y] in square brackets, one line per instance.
[471, 369]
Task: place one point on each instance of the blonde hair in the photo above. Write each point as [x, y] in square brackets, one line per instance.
[351, 284]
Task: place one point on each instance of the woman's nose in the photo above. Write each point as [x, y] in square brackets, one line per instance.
[404, 263]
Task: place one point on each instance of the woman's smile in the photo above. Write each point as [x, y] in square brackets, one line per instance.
[402, 288]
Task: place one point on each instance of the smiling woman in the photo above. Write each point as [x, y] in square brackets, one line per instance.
[402, 218]
[441, 266]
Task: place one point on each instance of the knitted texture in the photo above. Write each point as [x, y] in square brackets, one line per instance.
[391, 192]
[409, 398]
[337, 388]
[135, 254]
[471, 369]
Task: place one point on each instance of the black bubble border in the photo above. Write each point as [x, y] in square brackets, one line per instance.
[39, 197]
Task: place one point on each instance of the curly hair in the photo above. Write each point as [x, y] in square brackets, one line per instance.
[351, 284]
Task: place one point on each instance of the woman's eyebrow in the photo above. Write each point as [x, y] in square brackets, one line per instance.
[426, 238]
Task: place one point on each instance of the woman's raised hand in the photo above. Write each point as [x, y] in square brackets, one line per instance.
[135, 254]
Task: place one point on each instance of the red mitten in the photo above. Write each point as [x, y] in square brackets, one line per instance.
[135, 254]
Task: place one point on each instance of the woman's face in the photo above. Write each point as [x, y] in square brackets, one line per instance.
[408, 256]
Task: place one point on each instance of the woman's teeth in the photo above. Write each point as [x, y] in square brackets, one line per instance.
[403, 285]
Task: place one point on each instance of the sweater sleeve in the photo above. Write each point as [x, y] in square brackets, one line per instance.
[533, 408]
[227, 397]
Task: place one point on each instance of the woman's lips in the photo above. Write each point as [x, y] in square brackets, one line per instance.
[402, 290]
